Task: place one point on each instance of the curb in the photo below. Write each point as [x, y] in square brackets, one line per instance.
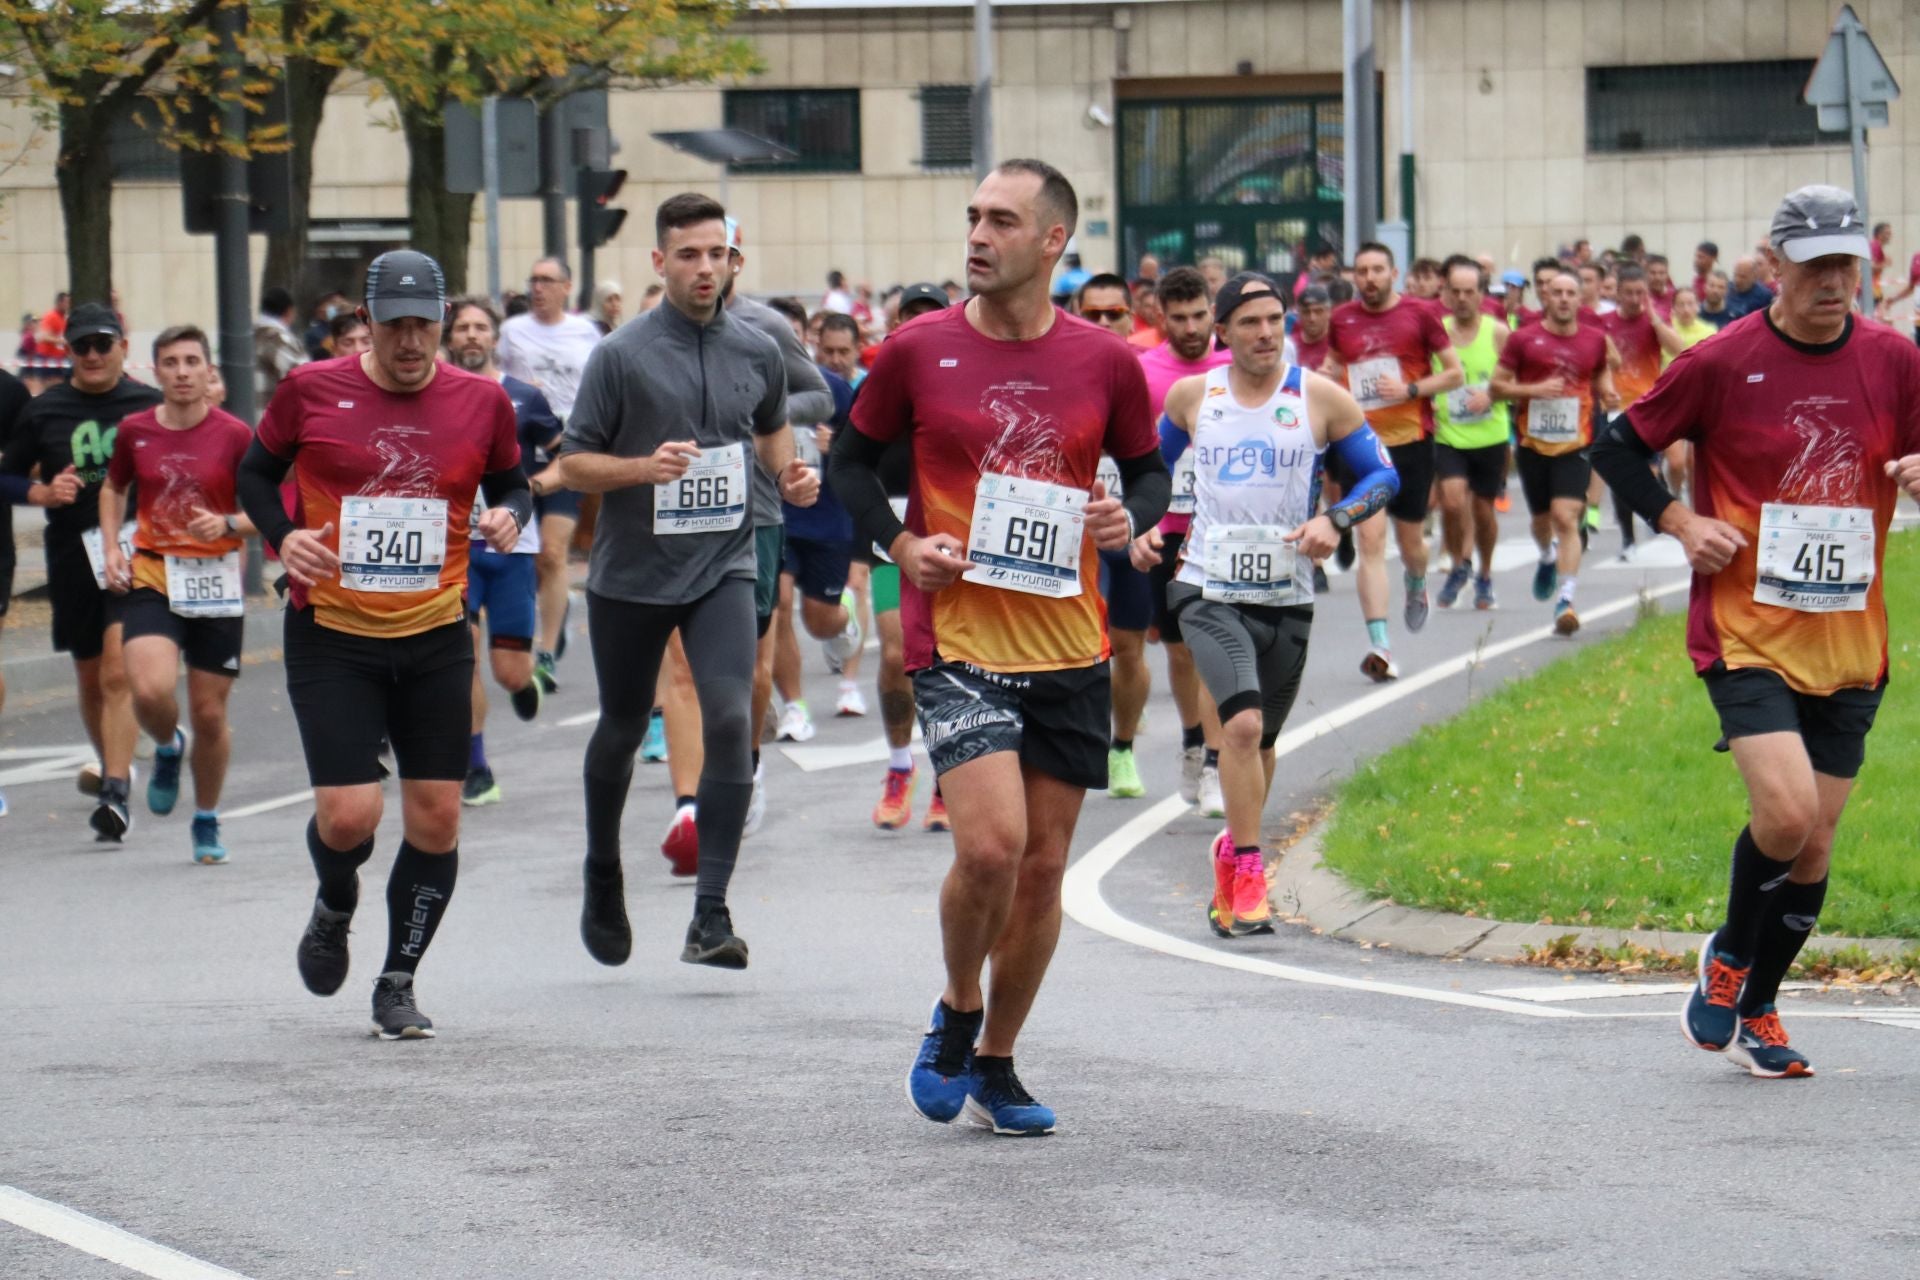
[1305, 889]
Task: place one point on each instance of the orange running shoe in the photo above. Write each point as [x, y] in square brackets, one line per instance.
[681, 848]
[895, 809]
[1504, 502]
[1220, 911]
[937, 815]
[1251, 912]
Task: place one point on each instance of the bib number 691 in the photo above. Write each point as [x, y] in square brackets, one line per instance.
[1030, 539]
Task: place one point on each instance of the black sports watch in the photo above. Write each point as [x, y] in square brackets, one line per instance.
[1342, 518]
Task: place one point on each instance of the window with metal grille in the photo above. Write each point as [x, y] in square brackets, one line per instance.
[822, 125]
[946, 126]
[1706, 106]
[133, 143]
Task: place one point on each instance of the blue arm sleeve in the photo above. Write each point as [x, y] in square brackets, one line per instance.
[1375, 480]
[1173, 440]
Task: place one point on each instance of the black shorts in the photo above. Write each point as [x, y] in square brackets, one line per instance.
[79, 605]
[1160, 575]
[208, 644]
[1129, 593]
[1414, 462]
[819, 569]
[349, 692]
[1834, 728]
[8, 560]
[1057, 720]
[1484, 469]
[561, 502]
[1544, 477]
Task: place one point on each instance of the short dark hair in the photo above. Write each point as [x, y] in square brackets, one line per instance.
[1712, 249]
[1181, 284]
[344, 323]
[1321, 249]
[687, 209]
[836, 280]
[1544, 264]
[1457, 260]
[456, 305]
[566, 272]
[1105, 280]
[1056, 193]
[275, 300]
[1631, 245]
[788, 307]
[1629, 271]
[839, 323]
[1339, 291]
[1374, 246]
[183, 333]
[1423, 266]
[1878, 227]
[1660, 258]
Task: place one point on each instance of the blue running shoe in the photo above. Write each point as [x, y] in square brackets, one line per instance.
[3, 806]
[1546, 577]
[1456, 583]
[1761, 1047]
[943, 1069]
[653, 747]
[207, 849]
[1711, 1018]
[997, 1100]
[163, 789]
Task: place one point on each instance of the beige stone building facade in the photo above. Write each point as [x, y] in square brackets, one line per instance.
[1186, 125]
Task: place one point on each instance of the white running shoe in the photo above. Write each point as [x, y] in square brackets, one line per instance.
[1192, 760]
[1379, 667]
[1212, 803]
[757, 804]
[795, 724]
[847, 643]
[852, 702]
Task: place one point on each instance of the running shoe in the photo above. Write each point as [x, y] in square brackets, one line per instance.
[1123, 776]
[653, 747]
[560, 641]
[1710, 1019]
[1483, 599]
[756, 802]
[1503, 503]
[207, 849]
[323, 949]
[1320, 586]
[526, 701]
[795, 724]
[1212, 803]
[938, 1081]
[1378, 666]
[681, 847]
[111, 819]
[1417, 609]
[543, 663]
[1343, 555]
[395, 1016]
[1192, 761]
[843, 646]
[712, 941]
[1457, 578]
[479, 789]
[603, 918]
[1220, 910]
[936, 819]
[88, 781]
[1565, 620]
[1592, 520]
[1252, 913]
[163, 788]
[997, 1100]
[1761, 1047]
[851, 702]
[3, 805]
[1546, 575]
[895, 809]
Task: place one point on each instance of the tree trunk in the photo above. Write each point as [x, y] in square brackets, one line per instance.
[442, 222]
[308, 83]
[85, 174]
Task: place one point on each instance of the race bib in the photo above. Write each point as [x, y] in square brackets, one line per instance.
[1364, 377]
[710, 497]
[206, 587]
[1182, 504]
[806, 446]
[392, 544]
[1026, 536]
[1555, 421]
[1108, 474]
[1457, 410]
[1815, 559]
[1248, 564]
[96, 544]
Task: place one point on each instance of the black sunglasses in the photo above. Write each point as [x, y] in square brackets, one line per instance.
[1104, 313]
[94, 344]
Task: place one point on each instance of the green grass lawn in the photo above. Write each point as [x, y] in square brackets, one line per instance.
[1589, 794]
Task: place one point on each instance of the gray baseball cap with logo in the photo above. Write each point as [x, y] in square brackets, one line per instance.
[1816, 221]
[403, 282]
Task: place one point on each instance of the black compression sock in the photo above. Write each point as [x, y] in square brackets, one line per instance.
[338, 869]
[1123, 744]
[1192, 736]
[1754, 881]
[682, 802]
[756, 759]
[606, 801]
[417, 896]
[1791, 915]
[1213, 758]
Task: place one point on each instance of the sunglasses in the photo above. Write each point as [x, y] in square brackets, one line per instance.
[93, 345]
[1105, 313]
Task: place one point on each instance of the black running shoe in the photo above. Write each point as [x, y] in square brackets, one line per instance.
[394, 1015]
[526, 702]
[603, 919]
[111, 818]
[323, 949]
[711, 940]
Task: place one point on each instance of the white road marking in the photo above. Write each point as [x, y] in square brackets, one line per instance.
[873, 751]
[104, 1240]
[1610, 991]
[43, 764]
[574, 722]
[268, 806]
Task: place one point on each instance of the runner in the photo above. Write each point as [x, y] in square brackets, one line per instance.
[1313, 336]
[502, 587]
[1007, 398]
[179, 592]
[387, 449]
[1187, 311]
[1470, 451]
[1798, 476]
[1386, 353]
[1639, 337]
[1256, 431]
[13, 398]
[1556, 372]
[670, 407]
[67, 431]
[547, 347]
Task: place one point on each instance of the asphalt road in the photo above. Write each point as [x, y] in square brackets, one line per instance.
[1286, 1105]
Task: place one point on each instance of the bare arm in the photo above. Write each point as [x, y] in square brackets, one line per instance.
[1451, 376]
[604, 472]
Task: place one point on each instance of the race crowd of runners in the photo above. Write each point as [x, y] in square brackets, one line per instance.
[1015, 486]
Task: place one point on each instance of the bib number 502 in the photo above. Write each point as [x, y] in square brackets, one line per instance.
[1820, 562]
[702, 491]
[1031, 539]
[395, 546]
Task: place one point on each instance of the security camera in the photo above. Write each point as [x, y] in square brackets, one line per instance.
[1100, 116]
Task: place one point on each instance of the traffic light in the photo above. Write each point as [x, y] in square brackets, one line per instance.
[599, 221]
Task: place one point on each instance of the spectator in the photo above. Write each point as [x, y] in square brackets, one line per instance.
[1582, 252]
[1748, 293]
[348, 335]
[1214, 272]
[1713, 300]
[1882, 237]
[1148, 271]
[1706, 258]
[319, 335]
[837, 299]
[50, 336]
[514, 303]
[651, 298]
[1322, 262]
[1634, 249]
[1659, 285]
[605, 312]
[863, 304]
[276, 351]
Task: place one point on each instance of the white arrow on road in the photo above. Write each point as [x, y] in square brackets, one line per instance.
[43, 764]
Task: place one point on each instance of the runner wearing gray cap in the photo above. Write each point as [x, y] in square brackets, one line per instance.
[1806, 430]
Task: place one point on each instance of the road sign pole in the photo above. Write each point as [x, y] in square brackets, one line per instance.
[490, 164]
[1857, 130]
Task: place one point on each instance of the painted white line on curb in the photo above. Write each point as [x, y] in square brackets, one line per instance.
[1611, 991]
[104, 1240]
[1083, 901]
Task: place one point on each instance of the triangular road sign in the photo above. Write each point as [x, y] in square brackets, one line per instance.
[1850, 68]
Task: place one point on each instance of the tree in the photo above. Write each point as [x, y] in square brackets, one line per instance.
[314, 34]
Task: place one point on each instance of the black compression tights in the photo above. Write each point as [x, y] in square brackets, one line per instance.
[628, 642]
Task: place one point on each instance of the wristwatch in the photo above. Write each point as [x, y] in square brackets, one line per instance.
[233, 525]
[1341, 518]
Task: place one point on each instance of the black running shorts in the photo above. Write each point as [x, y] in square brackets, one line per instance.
[1057, 720]
[79, 605]
[1545, 477]
[1414, 462]
[1753, 700]
[1484, 469]
[207, 644]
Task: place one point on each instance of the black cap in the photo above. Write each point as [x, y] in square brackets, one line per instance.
[1243, 288]
[1314, 295]
[403, 282]
[923, 292]
[90, 319]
